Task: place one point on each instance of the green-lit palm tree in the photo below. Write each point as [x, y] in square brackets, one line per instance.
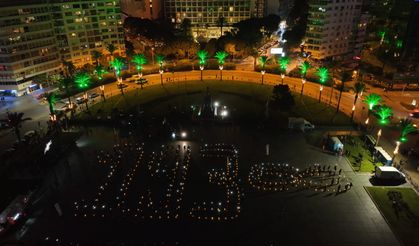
[221, 58]
[406, 126]
[345, 78]
[111, 49]
[372, 100]
[262, 63]
[15, 120]
[303, 70]
[384, 113]
[160, 60]
[323, 74]
[82, 80]
[203, 57]
[51, 99]
[140, 60]
[117, 64]
[96, 55]
[100, 71]
[283, 64]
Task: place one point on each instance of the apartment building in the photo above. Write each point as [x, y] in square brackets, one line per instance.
[36, 35]
[145, 9]
[83, 26]
[335, 28]
[205, 15]
[27, 45]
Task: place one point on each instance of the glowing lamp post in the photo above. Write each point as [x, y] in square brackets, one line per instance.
[160, 61]
[263, 74]
[282, 78]
[378, 137]
[216, 105]
[221, 56]
[102, 92]
[353, 112]
[395, 152]
[86, 100]
[161, 71]
[303, 82]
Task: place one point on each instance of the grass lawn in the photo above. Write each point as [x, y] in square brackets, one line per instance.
[184, 94]
[356, 146]
[405, 222]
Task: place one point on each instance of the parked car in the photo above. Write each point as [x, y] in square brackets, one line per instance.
[81, 100]
[122, 86]
[93, 95]
[414, 114]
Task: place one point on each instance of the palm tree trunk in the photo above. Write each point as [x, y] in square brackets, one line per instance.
[356, 98]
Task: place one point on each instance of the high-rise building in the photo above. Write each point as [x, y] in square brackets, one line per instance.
[145, 9]
[83, 26]
[27, 44]
[208, 15]
[335, 28]
[36, 35]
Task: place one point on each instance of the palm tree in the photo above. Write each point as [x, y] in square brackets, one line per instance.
[100, 71]
[262, 63]
[345, 78]
[384, 113]
[221, 57]
[372, 100]
[82, 80]
[14, 120]
[96, 55]
[221, 22]
[283, 64]
[323, 74]
[69, 68]
[406, 126]
[359, 87]
[303, 70]
[66, 83]
[111, 49]
[160, 60]
[203, 56]
[117, 64]
[139, 60]
[52, 99]
[186, 27]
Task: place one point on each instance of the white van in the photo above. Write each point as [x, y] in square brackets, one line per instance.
[389, 173]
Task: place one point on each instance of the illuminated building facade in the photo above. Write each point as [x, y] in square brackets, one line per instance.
[36, 35]
[335, 28]
[146, 9]
[27, 45]
[207, 16]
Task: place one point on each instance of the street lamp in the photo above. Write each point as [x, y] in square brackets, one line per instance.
[263, 73]
[282, 77]
[303, 81]
[378, 137]
[201, 67]
[353, 112]
[161, 71]
[216, 104]
[320, 96]
[221, 67]
[85, 100]
[395, 152]
[102, 92]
